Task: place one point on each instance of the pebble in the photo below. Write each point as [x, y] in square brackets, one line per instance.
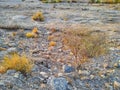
[84, 72]
[116, 84]
[44, 74]
[59, 83]
[68, 69]
[12, 50]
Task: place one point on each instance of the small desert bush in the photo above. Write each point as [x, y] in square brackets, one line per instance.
[38, 16]
[52, 43]
[32, 34]
[16, 62]
[85, 44]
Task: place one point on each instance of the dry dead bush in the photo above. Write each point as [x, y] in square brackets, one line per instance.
[85, 44]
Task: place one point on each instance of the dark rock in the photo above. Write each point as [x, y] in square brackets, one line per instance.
[35, 81]
[2, 54]
[35, 68]
[12, 50]
[10, 72]
[58, 83]
[68, 69]
[2, 86]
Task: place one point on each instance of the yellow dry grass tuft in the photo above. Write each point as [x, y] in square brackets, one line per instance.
[32, 34]
[38, 16]
[35, 30]
[16, 62]
[52, 43]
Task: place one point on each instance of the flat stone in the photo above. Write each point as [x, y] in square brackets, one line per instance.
[19, 17]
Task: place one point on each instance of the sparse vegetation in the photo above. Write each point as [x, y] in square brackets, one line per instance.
[35, 30]
[52, 43]
[16, 62]
[32, 34]
[38, 16]
[85, 44]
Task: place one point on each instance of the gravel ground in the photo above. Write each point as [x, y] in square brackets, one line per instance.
[51, 71]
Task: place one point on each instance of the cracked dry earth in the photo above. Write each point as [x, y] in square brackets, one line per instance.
[48, 73]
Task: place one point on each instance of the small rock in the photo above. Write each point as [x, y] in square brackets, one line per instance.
[117, 65]
[44, 74]
[19, 17]
[116, 85]
[35, 80]
[60, 74]
[2, 54]
[58, 83]
[2, 86]
[16, 75]
[42, 85]
[10, 72]
[108, 86]
[83, 72]
[2, 49]
[12, 50]
[35, 68]
[12, 44]
[92, 76]
[68, 69]
[84, 78]
[102, 76]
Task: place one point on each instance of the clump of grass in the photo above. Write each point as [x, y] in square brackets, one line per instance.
[38, 16]
[85, 44]
[52, 43]
[16, 62]
[35, 30]
[32, 34]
